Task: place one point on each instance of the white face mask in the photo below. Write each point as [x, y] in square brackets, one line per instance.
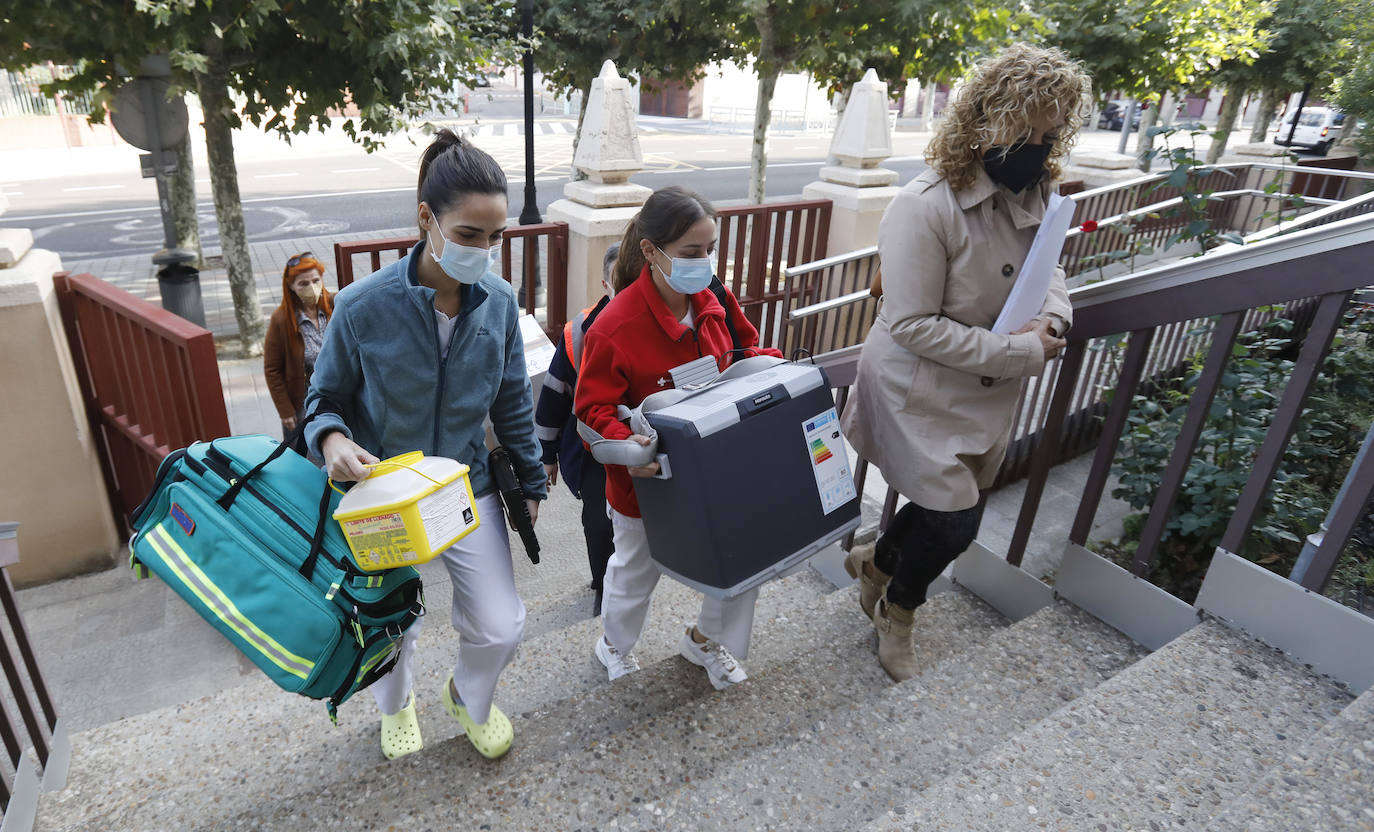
[310, 293]
[689, 275]
[465, 264]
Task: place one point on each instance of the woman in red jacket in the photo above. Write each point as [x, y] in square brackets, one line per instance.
[664, 315]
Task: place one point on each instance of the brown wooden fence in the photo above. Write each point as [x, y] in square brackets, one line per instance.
[756, 246]
[149, 380]
[520, 255]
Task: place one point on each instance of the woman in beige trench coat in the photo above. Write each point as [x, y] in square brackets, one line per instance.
[936, 389]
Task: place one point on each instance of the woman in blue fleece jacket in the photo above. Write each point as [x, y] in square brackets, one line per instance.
[415, 357]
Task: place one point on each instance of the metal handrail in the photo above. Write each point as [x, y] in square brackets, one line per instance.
[827, 305]
[1207, 169]
[837, 260]
[1219, 263]
[1178, 200]
[1313, 218]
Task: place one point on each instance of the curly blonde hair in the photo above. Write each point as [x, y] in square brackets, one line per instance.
[1001, 97]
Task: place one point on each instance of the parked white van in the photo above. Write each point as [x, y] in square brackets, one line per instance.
[1318, 128]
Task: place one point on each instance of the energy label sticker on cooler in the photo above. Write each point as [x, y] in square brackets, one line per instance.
[829, 461]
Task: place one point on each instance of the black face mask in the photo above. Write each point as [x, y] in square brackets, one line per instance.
[1018, 168]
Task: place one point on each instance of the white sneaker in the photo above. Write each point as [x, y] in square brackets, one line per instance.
[720, 665]
[616, 663]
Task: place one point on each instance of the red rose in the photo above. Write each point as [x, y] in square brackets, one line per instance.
[1088, 227]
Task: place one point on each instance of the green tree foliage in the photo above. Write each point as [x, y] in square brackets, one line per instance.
[1305, 42]
[1149, 47]
[837, 41]
[282, 65]
[930, 40]
[1354, 93]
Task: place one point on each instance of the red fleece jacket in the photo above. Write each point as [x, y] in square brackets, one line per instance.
[628, 352]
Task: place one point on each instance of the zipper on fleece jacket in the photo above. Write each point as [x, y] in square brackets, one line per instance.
[442, 355]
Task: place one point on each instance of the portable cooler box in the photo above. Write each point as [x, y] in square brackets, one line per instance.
[756, 479]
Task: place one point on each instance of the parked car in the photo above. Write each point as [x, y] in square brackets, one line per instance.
[1318, 128]
[1113, 114]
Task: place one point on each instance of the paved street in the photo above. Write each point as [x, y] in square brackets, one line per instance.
[90, 203]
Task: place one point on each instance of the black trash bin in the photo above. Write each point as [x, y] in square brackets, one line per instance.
[179, 285]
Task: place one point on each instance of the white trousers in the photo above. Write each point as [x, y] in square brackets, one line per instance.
[487, 613]
[630, 580]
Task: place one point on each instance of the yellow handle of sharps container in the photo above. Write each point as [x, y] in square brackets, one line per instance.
[400, 461]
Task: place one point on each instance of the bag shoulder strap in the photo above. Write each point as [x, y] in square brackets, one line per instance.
[718, 289]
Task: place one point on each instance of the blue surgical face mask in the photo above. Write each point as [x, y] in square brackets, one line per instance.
[689, 275]
[465, 264]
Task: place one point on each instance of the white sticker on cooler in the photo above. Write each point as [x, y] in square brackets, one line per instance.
[829, 461]
[445, 514]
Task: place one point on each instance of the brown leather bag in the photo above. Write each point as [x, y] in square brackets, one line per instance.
[876, 290]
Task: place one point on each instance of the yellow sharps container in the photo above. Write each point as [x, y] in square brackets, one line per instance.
[411, 508]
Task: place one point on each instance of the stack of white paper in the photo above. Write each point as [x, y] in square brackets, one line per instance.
[1032, 285]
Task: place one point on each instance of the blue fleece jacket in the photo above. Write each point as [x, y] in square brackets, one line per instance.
[381, 380]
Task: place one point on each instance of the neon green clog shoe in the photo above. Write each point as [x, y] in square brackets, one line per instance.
[401, 732]
[492, 738]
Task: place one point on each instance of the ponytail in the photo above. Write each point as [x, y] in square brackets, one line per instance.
[630, 262]
[452, 168]
[665, 217]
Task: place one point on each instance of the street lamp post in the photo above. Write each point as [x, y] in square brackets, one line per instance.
[529, 215]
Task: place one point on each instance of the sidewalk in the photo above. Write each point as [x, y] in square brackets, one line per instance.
[136, 274]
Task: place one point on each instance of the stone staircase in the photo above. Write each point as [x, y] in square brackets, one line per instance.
[1053, 722]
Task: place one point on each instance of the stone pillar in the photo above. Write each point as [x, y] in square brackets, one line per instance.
[1095, 168]
[859, 189]
[598, 208]
[911, 99]
[53, 484]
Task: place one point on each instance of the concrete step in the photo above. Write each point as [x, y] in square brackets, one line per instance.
[1163, 745]
[1327, 784]
[585, 758]
[199, 761]
[866, 754]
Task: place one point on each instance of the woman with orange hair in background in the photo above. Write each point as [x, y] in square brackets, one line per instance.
[293, 340]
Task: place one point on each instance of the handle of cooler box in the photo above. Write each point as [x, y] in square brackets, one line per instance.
[622, 451]
[749, 366]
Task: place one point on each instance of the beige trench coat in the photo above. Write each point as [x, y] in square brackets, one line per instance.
[936, 390]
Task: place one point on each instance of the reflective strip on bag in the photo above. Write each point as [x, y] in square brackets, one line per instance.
[381, 656]
[215, 600]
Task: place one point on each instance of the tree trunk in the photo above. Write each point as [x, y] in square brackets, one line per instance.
[1145, 141]
[1347, 134]
[184, 215]
[224, 182]
[1168, 110]
[578, 175]
[763, 114]
[1226, 122]
[1269, 101]
[928, 108]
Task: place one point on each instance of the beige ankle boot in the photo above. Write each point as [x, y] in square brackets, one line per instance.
[895, 651]
[872, 580]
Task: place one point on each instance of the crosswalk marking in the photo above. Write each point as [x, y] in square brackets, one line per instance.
[509, 129]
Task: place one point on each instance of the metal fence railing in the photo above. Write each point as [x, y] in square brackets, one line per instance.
[833, 310]
[757, 245]
[1235, 290]
[21, 93]
[534, 260]
[38, 726]
[149, 379]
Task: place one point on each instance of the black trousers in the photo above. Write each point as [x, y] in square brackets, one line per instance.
[596, 524]
[917, 546]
